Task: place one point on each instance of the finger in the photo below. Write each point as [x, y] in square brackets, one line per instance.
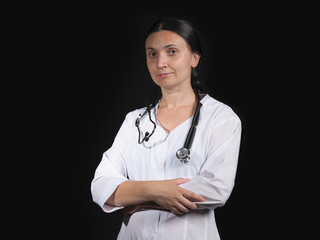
[179, 181]
[191, 196]
[179, 209]
[175, 211]
[188, 204]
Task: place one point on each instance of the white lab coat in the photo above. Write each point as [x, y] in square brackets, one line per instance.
[211, 170]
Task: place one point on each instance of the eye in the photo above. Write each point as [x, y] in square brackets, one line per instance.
[151, 54]
[173, 52]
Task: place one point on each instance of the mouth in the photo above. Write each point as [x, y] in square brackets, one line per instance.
[164, 75]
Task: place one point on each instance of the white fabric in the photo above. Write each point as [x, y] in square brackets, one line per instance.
[211, 169]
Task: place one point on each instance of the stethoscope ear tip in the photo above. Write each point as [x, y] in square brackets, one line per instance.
[146, 137]
[183, 154]
[138, 120]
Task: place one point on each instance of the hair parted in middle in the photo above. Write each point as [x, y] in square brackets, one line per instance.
[188, 32]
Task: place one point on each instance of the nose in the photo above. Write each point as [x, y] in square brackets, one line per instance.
[162, 61]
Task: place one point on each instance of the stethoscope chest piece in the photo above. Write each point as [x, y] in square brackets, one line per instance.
[183, 154]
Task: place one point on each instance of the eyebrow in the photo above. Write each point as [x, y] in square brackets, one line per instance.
[166, 46]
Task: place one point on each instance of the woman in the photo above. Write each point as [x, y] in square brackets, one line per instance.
[165, 193]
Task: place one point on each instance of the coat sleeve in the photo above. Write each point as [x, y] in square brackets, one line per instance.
[111, 171]
[216, 178]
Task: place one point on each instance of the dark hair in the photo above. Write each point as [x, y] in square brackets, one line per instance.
[184, 29]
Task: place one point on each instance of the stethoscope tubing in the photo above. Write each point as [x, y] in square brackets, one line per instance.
[183, 154]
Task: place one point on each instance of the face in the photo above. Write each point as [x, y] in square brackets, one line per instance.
[169, 59]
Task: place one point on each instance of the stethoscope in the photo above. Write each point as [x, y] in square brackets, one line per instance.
[183, 154]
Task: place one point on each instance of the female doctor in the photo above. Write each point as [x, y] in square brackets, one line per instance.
[172, 163]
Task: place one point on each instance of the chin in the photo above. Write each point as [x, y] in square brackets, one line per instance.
[165, 83]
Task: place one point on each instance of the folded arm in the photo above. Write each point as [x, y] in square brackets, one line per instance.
[216, 179]
[163, 194]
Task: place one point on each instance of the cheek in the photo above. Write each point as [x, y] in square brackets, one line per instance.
[150, 65]
[183, 66]
[152, 70]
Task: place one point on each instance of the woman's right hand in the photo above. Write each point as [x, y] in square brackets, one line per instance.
[170, 196]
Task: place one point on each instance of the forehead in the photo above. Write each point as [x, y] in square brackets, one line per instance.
[164, 38]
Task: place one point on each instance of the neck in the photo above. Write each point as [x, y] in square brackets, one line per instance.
[171, 98]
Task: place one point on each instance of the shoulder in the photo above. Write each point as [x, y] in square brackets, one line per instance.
[216, 110]
[131, 116]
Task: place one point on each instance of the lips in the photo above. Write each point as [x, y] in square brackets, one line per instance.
[164, 75]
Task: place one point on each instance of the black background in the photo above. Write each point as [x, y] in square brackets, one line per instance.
[86, 69]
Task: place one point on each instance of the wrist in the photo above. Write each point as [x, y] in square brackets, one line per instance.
[149, 191]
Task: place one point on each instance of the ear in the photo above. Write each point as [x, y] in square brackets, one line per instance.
[195, 59]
